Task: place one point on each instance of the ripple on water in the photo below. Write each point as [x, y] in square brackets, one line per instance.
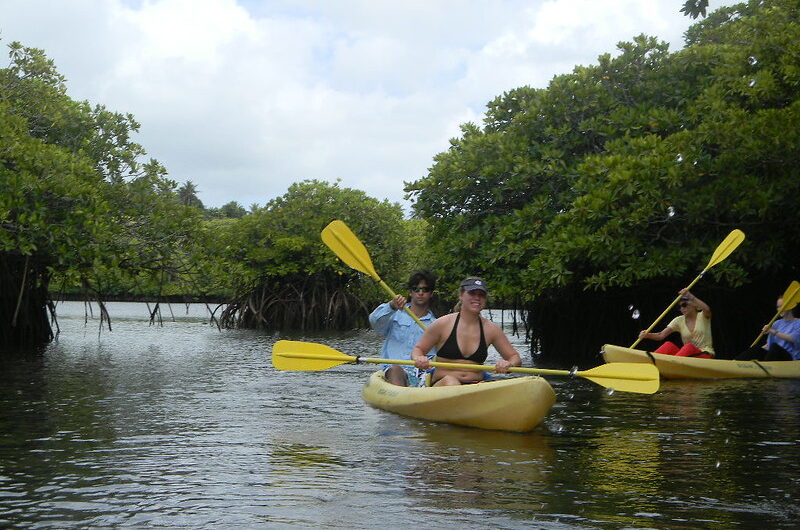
[184, 425]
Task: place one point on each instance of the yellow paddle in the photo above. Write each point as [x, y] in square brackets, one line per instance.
[724, 250]
[791, 296]
[344, 243]
[641, 378]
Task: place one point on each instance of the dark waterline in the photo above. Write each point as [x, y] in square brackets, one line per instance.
[187, 426]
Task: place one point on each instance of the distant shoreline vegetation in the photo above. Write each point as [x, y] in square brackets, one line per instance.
[170, 299]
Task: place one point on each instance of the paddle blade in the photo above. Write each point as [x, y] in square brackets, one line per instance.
[344, 243]
[306, 356]
[791, 296]
[640, 378]
[728, 245]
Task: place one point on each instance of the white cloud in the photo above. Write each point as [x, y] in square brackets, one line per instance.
[245, 97]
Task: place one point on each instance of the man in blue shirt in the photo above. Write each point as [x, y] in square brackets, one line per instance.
[401, 331]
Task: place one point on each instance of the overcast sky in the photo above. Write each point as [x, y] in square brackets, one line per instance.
[245, 97]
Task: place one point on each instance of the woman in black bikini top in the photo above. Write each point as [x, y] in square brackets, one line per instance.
[444, 331]
[450, 349]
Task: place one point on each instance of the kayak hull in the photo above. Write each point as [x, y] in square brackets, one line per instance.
[672, 367]
[515, 404]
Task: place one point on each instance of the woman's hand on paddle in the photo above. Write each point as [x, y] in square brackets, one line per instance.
[421, 360]
[502, 366]
[497, 338]
[661, 335]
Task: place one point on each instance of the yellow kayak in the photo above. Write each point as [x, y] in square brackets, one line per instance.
[514, 404]
[672, 367]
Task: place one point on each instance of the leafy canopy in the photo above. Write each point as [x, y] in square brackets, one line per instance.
[77, 202]
[633, 169]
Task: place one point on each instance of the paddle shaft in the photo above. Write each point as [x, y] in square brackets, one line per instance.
[771, 322]
[640, 378]
[454, 366]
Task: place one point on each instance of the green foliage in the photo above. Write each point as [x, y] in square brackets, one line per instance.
[49, 196]
[656, 207]
[276, 255]
[498, 188]
[187, 195]
[628, 173]
[282, 239]
[83, 211]
[77, 204]
[232, 210]
[632, 169]
[695, 8]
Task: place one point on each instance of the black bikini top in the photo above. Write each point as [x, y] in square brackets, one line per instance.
[450, 349]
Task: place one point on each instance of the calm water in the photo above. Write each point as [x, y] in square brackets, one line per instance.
[187, 426]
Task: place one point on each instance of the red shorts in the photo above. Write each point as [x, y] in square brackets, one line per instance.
[688, 350]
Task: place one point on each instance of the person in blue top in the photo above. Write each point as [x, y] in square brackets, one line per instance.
[401, 331]
[783, 340]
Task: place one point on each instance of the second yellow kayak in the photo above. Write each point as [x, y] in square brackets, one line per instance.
[672, 367]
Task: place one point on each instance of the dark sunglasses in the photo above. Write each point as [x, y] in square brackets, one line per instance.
[684, 304]
[423, 289]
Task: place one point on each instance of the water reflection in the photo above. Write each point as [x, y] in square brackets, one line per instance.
[290, 456]
[184, 425]
[465, 469]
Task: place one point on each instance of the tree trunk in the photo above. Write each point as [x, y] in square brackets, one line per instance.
[24, 305]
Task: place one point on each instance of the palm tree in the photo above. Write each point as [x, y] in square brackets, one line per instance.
[187, 194]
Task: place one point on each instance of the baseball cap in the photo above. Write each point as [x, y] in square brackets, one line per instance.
[474, 284]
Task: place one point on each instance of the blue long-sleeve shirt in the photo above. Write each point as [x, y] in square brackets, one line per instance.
[790, 328]
[401, 331]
